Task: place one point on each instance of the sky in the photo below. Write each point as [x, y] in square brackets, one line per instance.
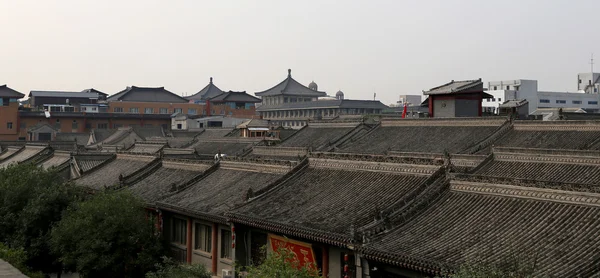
[389, 48]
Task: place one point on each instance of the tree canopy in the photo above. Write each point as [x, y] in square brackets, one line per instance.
[107, 236]
[31, 202]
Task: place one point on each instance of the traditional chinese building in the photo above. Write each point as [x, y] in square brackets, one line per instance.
[292, 104]
[456, 99]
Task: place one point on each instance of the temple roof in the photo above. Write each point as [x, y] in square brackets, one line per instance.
[322, 137]
[221, 190]
[330, 198]
[5, 91]
[232, 96]
[147, 94]
[167, 178]
[495, 224]
[430, 135]
[290, 86]
[454, 87]
[209, 91]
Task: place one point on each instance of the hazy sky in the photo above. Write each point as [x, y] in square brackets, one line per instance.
[389, 47]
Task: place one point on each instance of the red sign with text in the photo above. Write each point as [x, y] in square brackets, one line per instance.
[303, 252]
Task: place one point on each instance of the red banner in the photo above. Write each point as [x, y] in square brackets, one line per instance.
[303, 252]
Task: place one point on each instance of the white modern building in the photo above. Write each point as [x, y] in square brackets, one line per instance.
[409, 100]
[588, 82]
[585, 98]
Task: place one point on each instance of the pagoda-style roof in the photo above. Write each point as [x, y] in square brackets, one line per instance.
[5, 91]
[209, 91]
[290, 86]
[147, 94]
[232, 96]
[457, 87]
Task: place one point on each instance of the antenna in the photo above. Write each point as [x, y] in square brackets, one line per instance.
[592, 64]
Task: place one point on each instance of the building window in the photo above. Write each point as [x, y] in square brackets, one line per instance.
[102, 126]
[225, 244]
[495, 88]
[5, 101]
[88, 126]
[508, 87]
[499, 99]
[203, 238]
[134, 110]
[559, 101]
[593, 102]
[179, 231]
[579, 81]
[149, 110]
[9, 125]
[179, 126]
[83, 109]
[544, 101]
[94, 108]
[595, 90]
[488, 100]
[177, 110]
[577, 102]
[118, 109]
[163, 110]
[493, 99]
[191, 111]
[74, 125]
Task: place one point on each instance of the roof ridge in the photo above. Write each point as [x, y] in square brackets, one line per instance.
[534, 193]
[372, 166]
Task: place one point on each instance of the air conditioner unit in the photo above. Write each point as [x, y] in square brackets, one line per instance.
[226, 273]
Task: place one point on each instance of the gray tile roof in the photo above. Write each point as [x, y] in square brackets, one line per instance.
[82, 94]
[513, 103]
[346, 103]
[5, 91]
[466, 86]
[209, 91]
[147, 94]
[232, 96]
[290, 86]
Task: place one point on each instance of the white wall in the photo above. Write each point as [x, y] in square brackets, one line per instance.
[554, 100]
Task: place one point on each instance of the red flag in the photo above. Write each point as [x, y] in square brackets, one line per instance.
[404, 111]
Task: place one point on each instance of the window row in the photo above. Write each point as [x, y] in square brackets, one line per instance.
[560, 101]
[202, 237]
[150, 110]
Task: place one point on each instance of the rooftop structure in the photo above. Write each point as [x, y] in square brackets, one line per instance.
[208, 92]
[147, 94]
[456, 99]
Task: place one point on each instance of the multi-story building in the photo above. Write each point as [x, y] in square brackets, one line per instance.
[521, 89]
[63, 101]
[9, 106]
[292, 104]
[588, 82]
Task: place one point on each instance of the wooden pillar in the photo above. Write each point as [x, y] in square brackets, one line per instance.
[215, 242]
[431, 106]
[480, 104]
[188, 241]
[325, 264]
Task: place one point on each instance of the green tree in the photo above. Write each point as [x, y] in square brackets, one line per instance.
[172, 269]
[283, 264]
[107, 236]
[32, 200]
